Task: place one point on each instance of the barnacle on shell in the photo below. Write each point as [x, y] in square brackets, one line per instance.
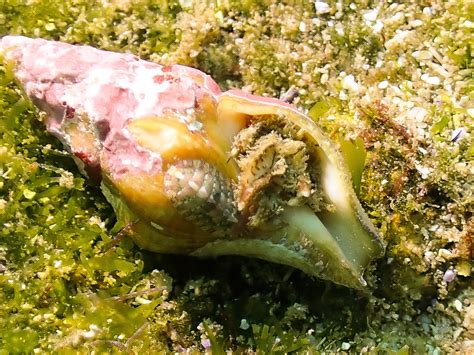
[196, 171]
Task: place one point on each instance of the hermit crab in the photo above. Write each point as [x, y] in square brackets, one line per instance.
[197, 171]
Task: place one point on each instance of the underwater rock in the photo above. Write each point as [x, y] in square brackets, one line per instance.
[196, 171]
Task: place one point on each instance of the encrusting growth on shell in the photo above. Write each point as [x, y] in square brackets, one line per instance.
[197, 171]
[201, 194]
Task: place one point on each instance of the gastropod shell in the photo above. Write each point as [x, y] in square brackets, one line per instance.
[197, 171]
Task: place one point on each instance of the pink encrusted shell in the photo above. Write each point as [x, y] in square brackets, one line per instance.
[159, 139]
[110, 88]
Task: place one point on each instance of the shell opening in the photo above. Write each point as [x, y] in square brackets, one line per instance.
[277, 170]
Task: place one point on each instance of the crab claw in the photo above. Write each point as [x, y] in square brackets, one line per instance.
[198, 171]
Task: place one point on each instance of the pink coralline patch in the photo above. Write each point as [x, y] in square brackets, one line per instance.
[181, 71]
[158, 79]
[100, 103]
[123, 156]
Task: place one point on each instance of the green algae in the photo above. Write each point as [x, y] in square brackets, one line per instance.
[67, 285]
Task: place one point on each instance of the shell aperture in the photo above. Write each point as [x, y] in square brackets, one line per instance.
[198, 171]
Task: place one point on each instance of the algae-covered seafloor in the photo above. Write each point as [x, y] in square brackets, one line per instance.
[389, 81]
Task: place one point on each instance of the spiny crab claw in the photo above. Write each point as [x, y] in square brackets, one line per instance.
[197, 171]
